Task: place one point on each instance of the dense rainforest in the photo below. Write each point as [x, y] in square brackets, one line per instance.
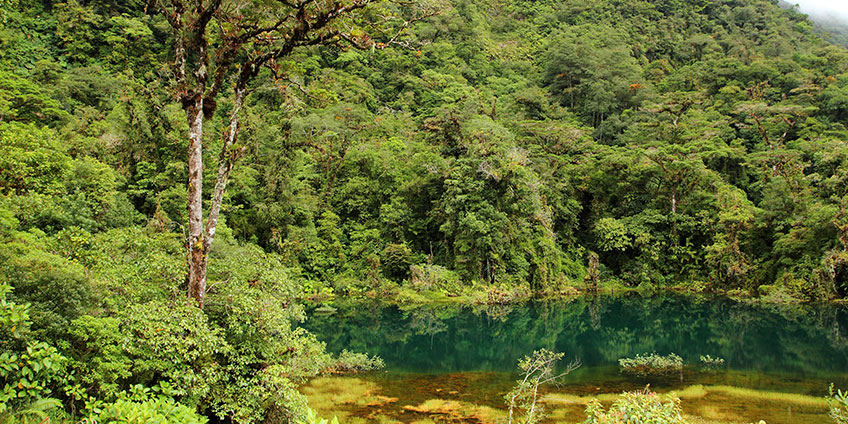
[511, 148]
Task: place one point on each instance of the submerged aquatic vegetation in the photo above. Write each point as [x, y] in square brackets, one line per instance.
[651, 364]
[312, 418]
[699, 404]
[456, 411]
[337, 396]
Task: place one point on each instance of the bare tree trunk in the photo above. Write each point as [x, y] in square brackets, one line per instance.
[227, 159]
[199, 242]
[196, 248]
[674, 200]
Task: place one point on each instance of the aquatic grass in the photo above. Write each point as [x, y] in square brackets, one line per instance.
[701, 404]
[338, 396]
[777, 397]
[699, 391]
[558, 399]
[724, 404]
[454, 410]
[692, 392]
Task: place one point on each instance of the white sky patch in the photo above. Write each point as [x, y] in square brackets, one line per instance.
[831, 8]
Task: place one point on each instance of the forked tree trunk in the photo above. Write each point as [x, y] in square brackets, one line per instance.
[257, 35]
[200, 241]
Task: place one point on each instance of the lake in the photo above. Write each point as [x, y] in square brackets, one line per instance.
[469, 354]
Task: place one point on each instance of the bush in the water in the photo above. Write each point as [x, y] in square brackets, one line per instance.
[710, 362]
[355, 362]
[651, 364]
[637, 407]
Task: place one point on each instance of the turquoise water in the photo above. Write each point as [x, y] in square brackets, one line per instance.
[799, 349]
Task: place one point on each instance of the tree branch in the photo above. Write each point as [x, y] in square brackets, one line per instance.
[227, 160]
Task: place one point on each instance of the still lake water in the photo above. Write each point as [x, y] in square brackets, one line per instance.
[474, 350]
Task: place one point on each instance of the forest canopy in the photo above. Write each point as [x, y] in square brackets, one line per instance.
[506, 148]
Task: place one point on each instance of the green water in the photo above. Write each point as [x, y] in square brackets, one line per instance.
[473, 351]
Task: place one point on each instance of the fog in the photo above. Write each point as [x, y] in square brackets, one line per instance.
[835, 9]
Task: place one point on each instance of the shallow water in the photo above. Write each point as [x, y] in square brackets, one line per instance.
[470, 353]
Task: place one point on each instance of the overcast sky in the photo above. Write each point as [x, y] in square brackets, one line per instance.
[832, 8]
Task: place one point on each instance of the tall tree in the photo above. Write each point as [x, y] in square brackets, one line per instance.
[221, 42]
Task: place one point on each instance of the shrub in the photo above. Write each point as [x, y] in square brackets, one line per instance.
[29, 369]
[147, 344]
[429, 277]
[56, 288]
[162, 410]
[537, 369]
[356, 362]
[39, 411]
[838, 404]
[710, 362]
[637, 407]
[395, 261]
[651, 364]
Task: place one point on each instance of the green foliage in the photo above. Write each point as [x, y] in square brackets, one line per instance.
[537, 369]
[395, 261]
[312, 418]
[665, 142]
[161, 410]
[240, 357]
[142, 408]
[710, 362]
[356, 362]
[33, 160]
[37, 411]
[29, 369]
[651, 364]
[51, 190]
[31, 270]
[24, 100]
[637, 407]
[612, 235]
[434, 277]
[838, 403]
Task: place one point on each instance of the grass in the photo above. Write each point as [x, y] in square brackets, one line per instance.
[777, 397]
[717, 404]
[355, 400]
[339, 396]
[456, 411]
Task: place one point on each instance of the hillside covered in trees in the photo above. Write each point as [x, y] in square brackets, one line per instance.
[508, 147]
[832, 26]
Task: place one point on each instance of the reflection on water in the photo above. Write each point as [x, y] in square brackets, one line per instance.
[472, 351]
[799, 341]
